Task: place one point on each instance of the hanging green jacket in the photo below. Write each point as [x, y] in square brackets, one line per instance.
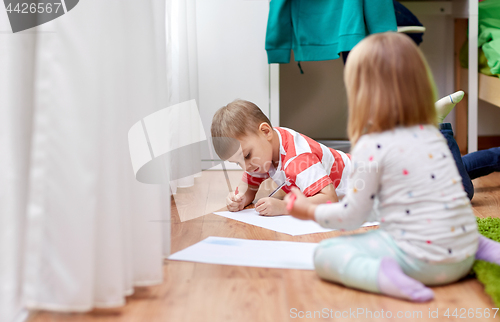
[321, 29]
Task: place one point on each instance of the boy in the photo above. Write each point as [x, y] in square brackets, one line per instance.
[321, 173]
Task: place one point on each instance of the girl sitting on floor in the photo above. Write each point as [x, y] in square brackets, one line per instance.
[428, 233]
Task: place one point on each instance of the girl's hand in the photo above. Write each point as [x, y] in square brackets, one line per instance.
[269, 206]
[235, 202]
[302, 208]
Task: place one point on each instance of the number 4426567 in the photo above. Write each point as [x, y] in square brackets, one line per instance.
[34, 7]
[472, 313]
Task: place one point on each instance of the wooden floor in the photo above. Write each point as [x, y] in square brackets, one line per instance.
[203, 292]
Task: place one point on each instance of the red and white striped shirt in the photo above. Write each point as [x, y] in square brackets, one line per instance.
[308, 165]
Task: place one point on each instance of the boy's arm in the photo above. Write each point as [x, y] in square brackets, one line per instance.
[325, 195]
[247, 189]
[247, 192]
[309, 175]
[274, 207]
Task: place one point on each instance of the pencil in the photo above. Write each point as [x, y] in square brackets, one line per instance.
[276, 190]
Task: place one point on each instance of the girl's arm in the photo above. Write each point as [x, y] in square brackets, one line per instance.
[353, 210]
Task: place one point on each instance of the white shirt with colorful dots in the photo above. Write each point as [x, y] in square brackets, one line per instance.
[421, 200]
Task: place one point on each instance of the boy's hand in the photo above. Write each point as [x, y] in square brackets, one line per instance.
[235, 202]
[269, 206]
[302, 208]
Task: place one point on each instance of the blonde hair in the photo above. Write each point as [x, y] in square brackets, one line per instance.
[233, 121]
[389, 84]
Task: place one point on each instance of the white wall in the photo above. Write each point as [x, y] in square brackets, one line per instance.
[232, 60]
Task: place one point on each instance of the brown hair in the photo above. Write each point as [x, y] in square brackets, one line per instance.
[233, 121]
[388, 84]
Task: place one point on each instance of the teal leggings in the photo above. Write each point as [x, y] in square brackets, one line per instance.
[354, 261]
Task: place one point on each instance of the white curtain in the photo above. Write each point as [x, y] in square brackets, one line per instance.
[77, 231]
[182, 64]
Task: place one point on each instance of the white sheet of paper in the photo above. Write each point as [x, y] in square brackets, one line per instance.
[282, 224]
[244, 252]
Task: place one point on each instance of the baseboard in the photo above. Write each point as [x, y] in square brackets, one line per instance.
[209, 165]
[22, 316]
[487, 142]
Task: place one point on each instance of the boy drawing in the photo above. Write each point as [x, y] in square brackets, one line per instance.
[321, 173]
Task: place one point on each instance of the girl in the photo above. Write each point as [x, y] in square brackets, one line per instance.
[428, 233]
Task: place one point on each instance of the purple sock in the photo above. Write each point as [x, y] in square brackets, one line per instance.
[488, 250]
[393, 282]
